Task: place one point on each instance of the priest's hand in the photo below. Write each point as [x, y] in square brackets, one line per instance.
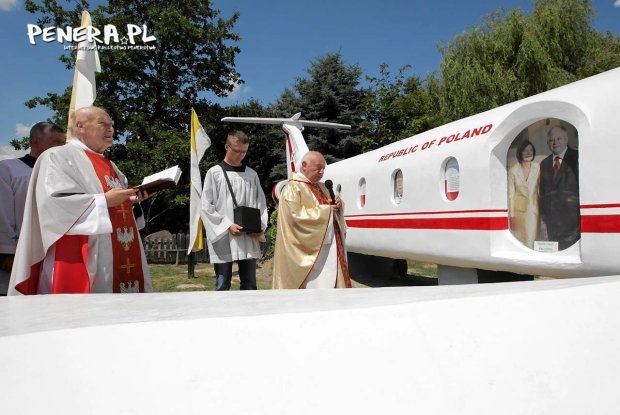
[139, 196]
[235, 230]
[336, 206]
[115, 197]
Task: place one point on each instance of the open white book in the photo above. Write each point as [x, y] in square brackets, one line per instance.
[164, 179]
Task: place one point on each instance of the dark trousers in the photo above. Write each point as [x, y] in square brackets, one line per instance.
[247, 275]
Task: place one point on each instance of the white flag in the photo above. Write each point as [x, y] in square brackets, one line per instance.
[200, 142]
[84, 90]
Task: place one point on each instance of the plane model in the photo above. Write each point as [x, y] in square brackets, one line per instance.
[447, 195]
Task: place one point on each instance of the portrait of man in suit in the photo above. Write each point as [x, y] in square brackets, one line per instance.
[559, 189]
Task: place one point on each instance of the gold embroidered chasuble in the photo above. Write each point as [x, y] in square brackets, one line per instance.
[303, 218]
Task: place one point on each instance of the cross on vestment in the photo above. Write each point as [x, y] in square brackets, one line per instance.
[122, 211]
[128, 266]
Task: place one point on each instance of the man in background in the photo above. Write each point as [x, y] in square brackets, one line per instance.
[79, 234]
[14, 179]
[559, 190]
[310, 246]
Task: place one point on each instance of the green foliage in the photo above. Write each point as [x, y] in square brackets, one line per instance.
[21, 143]
[331, 93]
[512, 56]
[270, 235]
[603, 54]
[396, 107]
[564, 30]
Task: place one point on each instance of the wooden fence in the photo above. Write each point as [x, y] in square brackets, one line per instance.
[171, 250]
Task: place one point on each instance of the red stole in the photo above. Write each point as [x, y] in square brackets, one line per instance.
[342, 259]
[126, 253]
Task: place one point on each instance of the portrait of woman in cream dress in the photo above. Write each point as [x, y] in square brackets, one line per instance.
[523, 181]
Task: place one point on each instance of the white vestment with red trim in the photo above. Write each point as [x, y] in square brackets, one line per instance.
[65, 197]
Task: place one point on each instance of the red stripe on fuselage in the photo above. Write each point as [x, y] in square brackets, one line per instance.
[443, 212]
[600, 224]
[589, 223]
[470, 224]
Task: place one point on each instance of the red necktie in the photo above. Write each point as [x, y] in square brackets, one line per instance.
[556, 167]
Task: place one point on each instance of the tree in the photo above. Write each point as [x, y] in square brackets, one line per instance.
[513, 56]
[149, 93]
[396, 107]
[332, 93]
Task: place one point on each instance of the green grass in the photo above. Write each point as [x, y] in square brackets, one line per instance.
[173, 278]
[421, 269]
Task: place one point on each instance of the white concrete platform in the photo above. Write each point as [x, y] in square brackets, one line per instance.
[539, 347]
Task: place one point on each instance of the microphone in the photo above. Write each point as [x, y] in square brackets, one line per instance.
[330, 188]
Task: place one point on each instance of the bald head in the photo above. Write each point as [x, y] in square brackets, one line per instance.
[94, 127]
[313, 166]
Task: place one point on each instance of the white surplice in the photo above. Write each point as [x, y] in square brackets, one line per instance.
[217, 214]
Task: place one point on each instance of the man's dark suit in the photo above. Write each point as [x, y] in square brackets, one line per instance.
[559, 199]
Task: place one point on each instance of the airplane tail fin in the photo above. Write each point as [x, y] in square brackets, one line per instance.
[296, 146]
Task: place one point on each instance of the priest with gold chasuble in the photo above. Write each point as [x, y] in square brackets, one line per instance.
[79, 233]
[310, 244]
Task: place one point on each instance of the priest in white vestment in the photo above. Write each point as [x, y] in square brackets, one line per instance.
[79, 234]
[310, 244]
[14, 179]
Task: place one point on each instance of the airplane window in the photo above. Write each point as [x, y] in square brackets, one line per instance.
[397, 181]
[451, 179]
[362, 192]
[543, 186]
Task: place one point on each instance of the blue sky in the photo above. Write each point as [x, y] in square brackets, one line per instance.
[280, 40]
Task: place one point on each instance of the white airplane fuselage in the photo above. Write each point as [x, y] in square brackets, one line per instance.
[458, 215]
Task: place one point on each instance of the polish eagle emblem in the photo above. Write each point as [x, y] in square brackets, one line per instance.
[130, 287]
[112, 182]
[125, 237]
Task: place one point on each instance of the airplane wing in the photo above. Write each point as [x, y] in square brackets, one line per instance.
[296, 146]
[294, 121]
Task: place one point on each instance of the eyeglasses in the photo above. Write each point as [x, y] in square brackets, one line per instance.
[240, 152]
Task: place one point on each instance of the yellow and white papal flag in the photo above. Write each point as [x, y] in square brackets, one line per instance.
[83, 92]
[200, 142]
